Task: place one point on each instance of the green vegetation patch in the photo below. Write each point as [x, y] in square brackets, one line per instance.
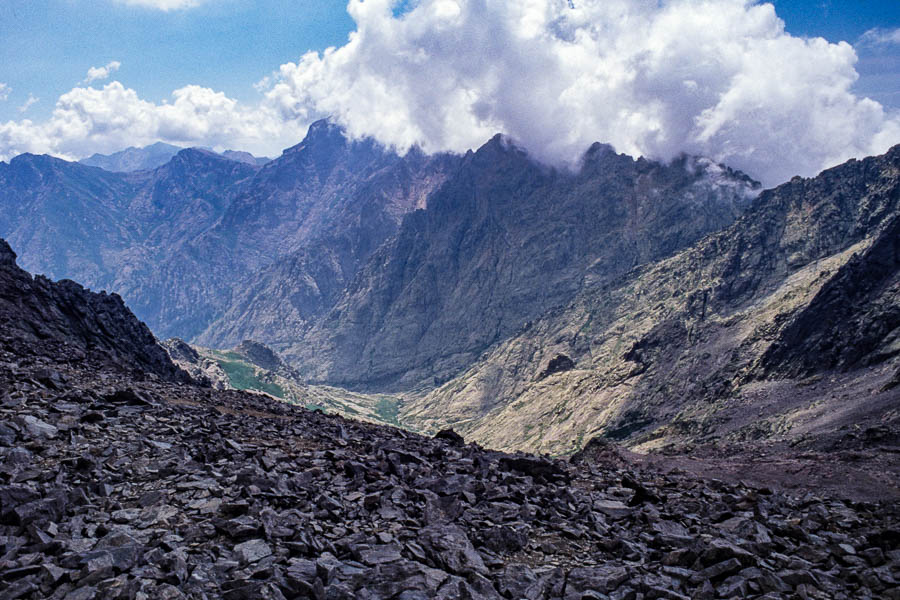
[242, 376]
[388, 410]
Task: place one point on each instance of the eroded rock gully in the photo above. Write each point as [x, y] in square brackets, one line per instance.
[116, 488]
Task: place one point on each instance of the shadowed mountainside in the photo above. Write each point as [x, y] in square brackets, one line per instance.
[782, 326]
[194, 239]
[501, 243]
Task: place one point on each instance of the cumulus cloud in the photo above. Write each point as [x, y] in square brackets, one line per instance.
[715, 78]
[4, 91]
[100, 73]
[719, 78]
[164, 5]
[88, 120]
[880, 37]
[29, 103]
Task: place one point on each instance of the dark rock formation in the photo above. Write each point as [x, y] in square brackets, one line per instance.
[558, 364]
[62, 319]
[263, 356]
[853, 321]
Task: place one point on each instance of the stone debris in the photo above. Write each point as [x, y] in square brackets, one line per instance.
[114, 488]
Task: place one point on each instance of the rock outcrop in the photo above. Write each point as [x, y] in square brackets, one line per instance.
[41, 318]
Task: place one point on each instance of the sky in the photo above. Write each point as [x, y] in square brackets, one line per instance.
[775, 89]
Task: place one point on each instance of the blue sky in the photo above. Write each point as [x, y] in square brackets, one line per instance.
[49, 45]
[217, 51]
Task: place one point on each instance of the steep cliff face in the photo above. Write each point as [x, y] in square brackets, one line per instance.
[64, 321]
[119, 231]
[501, 243]
[205, 237]
[853, 321]
[320, 212]
[716, 342]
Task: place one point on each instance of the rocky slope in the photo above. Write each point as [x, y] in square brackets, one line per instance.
[41, 318]
[503, 242]
[118, 485]
[782, 327]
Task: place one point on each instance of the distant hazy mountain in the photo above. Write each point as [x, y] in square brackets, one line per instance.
[153, 156]
[246, 157]
[133, 159]
[183, 242]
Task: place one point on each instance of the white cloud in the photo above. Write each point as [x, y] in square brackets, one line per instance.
[719, 78]
[164, 5]
[88, 120]
[880, 37]
[4, 91]
[100, 73]
[29, 103]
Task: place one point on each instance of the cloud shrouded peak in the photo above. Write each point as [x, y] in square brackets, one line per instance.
[719, 78]
[657, 78]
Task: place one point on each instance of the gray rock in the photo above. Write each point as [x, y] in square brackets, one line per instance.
[252, 551]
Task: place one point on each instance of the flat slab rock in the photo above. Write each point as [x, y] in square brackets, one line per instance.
[113, 487]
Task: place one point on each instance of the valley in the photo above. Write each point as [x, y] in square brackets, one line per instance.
[667, 307]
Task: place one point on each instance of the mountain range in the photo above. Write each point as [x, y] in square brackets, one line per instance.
[155, 155]
[528, 307]
[124, 478]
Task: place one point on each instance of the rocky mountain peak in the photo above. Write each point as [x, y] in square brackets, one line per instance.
[321, 135]
[192, 157]
[133, 159]
[500, 147]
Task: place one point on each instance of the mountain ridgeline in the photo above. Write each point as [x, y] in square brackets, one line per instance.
[40, 318]
[782, 326]
[502, 243]
[184, 242]
[527, 307]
